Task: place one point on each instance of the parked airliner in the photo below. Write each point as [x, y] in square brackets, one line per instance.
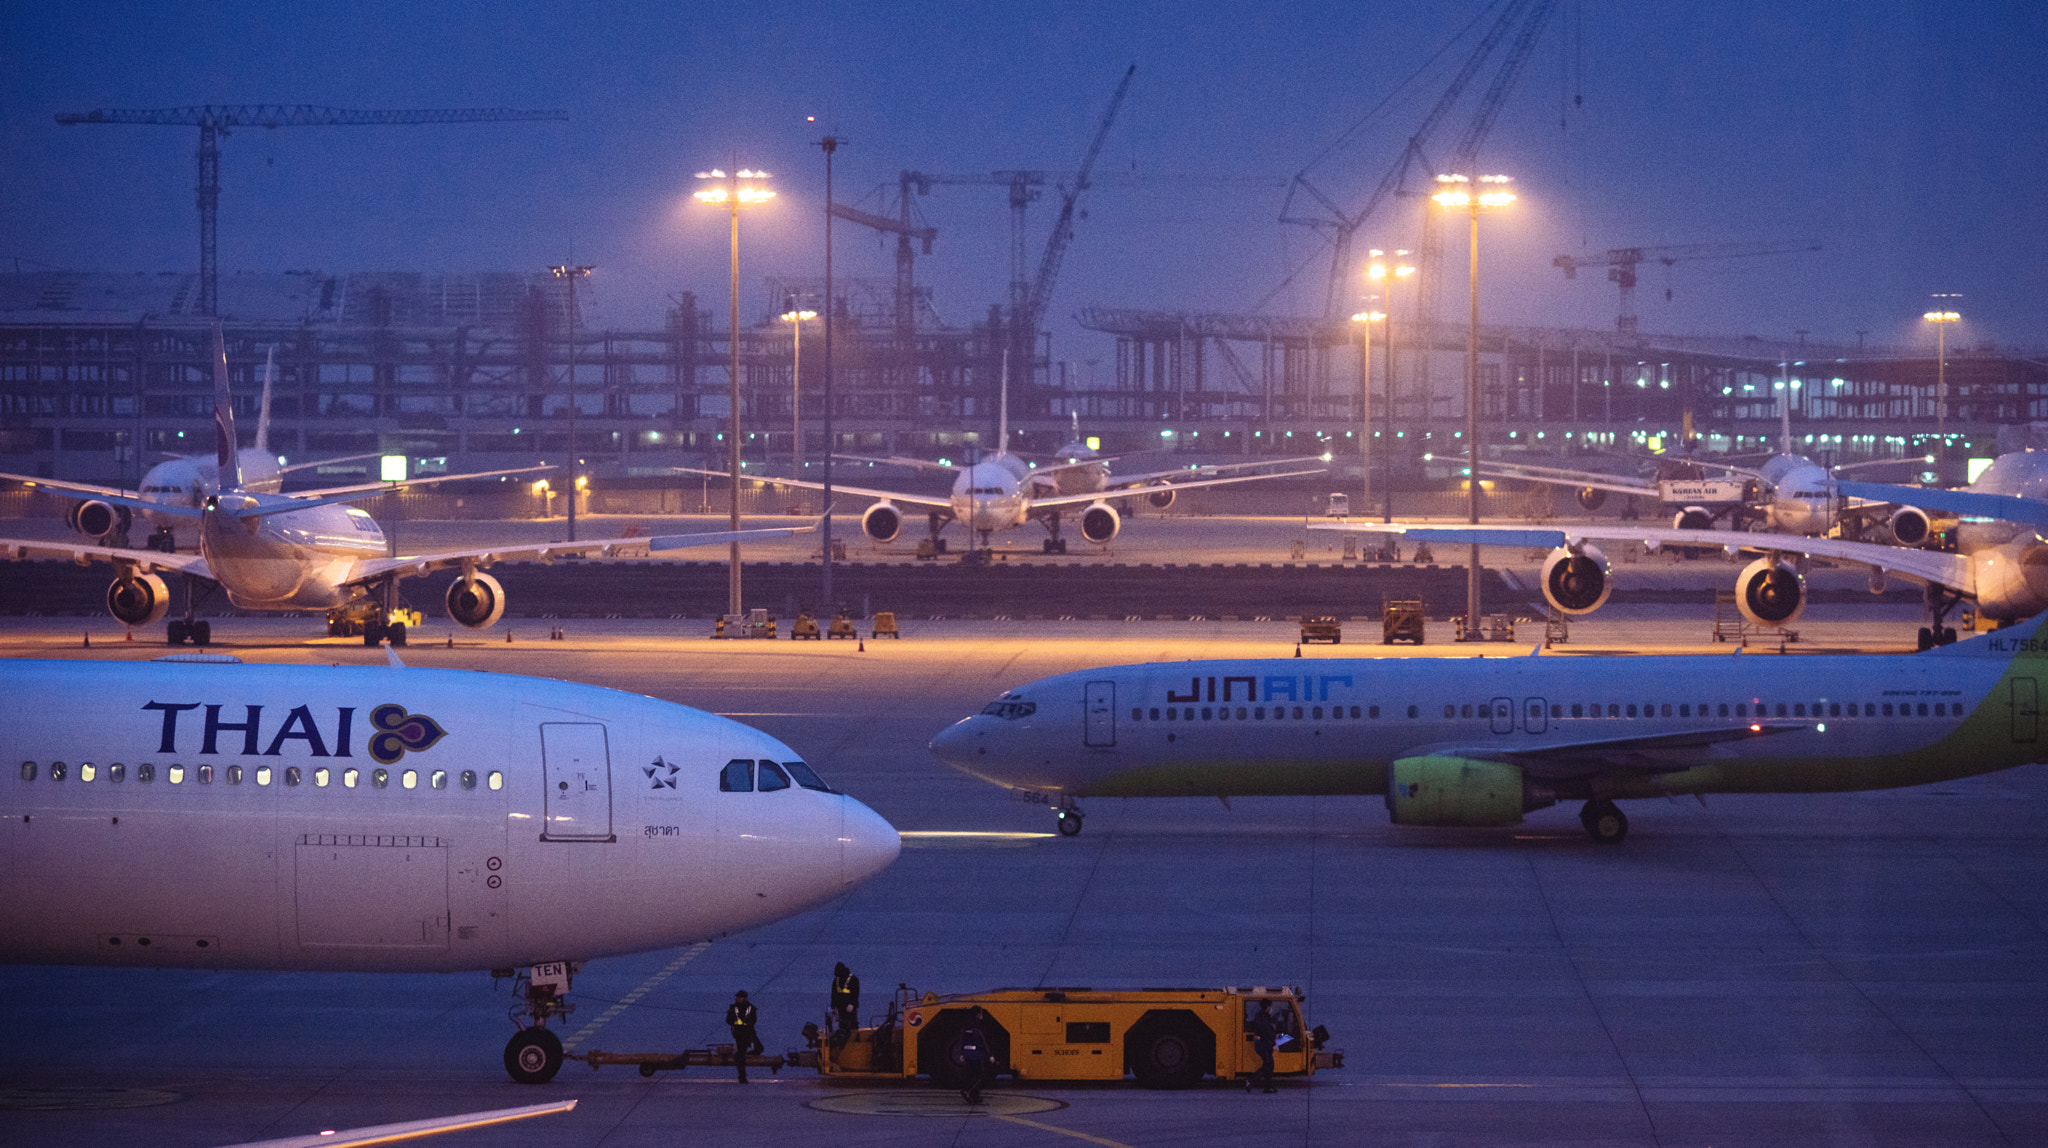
[197, 812]
[1483, 741]
[293, 552]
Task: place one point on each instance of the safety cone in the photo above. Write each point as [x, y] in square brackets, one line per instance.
[863, 648]
[508, 637]
[131, 636]
[88, 639]
[1297, 649]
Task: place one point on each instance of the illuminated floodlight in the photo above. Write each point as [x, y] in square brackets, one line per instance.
[391, 468]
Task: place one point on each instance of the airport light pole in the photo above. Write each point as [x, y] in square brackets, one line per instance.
[731, 192]
[1941, 320]
[1378, 271]
[829, 145]
[1365, 319]
[795, 315]
[572, 273]
[1459, 191]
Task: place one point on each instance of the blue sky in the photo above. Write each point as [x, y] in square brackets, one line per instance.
[1910, 140]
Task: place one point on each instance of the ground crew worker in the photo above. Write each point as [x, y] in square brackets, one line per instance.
[740, 1017]
[845, 1003]
[974, 1056]
[1263, 1032]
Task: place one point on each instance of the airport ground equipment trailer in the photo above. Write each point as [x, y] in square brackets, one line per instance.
[1166, 1038]
[1322, 628]
[1402, 620]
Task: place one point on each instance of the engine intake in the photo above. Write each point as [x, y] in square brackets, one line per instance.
[881, 522]
[139, 599]
[1770, 593]
[477, 601]
[1911, 526]
[1460, 791]
[96, 519]
[1693, 518]
[1592, 497]
[1161, 499]
[1100, 522]
[1577, 583]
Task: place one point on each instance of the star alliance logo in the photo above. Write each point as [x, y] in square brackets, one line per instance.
[662, 774]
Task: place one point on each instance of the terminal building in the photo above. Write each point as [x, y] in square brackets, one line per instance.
[101, 374]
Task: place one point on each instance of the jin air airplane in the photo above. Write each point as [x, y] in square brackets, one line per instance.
[196, 812]
[296, 552]
[1484, 741]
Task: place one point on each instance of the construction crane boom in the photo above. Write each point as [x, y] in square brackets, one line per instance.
[1621, 264]
[1063, 228]
[215, 120]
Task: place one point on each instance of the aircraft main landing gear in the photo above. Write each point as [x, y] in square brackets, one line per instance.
[1939, 602]
[1604, 821]
[534, 1054]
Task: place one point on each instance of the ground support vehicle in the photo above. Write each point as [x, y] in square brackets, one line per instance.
[1322, 628]
[1166, 1038]
[1402, 620]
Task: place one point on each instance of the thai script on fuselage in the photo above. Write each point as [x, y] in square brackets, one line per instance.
[299, 725]
[1278, 688]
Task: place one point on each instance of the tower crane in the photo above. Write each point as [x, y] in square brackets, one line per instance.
[1621, 264]
[215, 121]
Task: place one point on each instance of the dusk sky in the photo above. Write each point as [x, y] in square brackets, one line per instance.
[1909, 140]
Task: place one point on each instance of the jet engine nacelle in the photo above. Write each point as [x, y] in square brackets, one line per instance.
[476, 602]
[1911, 526]
[1100, 522]
[1770, 593]
[96, 519]
[1592, 497]
[1577, 583]
[1460, 791]
[881, 522]
[1693, 518]
[138, 600]
[2012, 580]
[1161, 499]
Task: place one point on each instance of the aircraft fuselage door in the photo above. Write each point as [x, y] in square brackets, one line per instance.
[1099, 714]
[576, 777]
[1535, 715]
[1503, 715]
[2026, 712]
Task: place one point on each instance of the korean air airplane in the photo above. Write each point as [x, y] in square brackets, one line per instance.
[1484, 741]
[198, 812]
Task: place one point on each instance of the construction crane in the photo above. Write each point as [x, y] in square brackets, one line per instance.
[1621, 264]
[904, 229]
[215, 120]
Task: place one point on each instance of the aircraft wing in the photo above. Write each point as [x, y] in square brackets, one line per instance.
[898, 460]
[1118, 481]
[2010, 507]
[411, 1129]
[408, 565]
[148, 561]
[81, 489]
[925, 500]
[333, 493]
[328, 462]
[1659, 753]
[1943, 569]
[1136, 491]
[1563, 477]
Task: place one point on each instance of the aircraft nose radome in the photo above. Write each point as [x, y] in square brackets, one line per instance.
[953, 745]
[868, 844]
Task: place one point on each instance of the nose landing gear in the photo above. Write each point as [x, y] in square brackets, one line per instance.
[1067, 815]
[534, 1054]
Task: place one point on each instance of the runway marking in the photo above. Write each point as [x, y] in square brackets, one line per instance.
[1055, 1129]
[626, 1002]
[23, 1098]
[1000, 1105]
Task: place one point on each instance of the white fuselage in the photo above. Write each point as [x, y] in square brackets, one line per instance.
[308, 817]
[189, 482]
[991, 496]
[1803, 499]
[292, 560]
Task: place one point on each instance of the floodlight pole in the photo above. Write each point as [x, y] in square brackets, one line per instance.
[829, 144]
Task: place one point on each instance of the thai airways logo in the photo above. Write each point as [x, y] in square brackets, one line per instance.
[399, 732]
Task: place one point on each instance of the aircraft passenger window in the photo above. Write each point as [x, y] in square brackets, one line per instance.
[293, 775]
[1466, 711]
[1137, 714]
[203, 774]
[737, 776]
[1317, 713]
[1724, 709]
[1781, 709]
[1450, 711]
[1799, 710]
[1297, 713]
[1372, 712]
[349, 778]
[380, 777]
[438, 779]
[1923, 709]
[469, 779]
[57, 767]
[86, 772]
[321, 777]
[1741, 710]
[1172, 714]
[1557, 711]
[263, 775]
[1208, 713]
[28, 771]
[1240, 713]
[1834, 709]
[409, 779]
[807, 777]
[175, 775]
[1631, 709]
[1259, 712]
[117, 771]
[145, 773]
[496, 780]
[234, 774]
[1154, 716]
[1578, 709]
[1870, 709]
[1686, 710]
[1667, 709]
[772, 777]
[1887, 709]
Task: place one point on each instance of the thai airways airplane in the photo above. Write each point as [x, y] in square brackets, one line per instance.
[1484, 741]
[293, 552]
[197, 812]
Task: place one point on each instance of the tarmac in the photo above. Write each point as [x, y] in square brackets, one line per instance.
[1866, 969]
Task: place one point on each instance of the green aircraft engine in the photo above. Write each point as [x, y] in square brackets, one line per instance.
[1459, 791]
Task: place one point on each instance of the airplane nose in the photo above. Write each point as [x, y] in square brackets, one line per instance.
[867, 843]
[954, 745]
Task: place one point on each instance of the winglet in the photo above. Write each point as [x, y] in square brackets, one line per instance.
[263, 411]
[224, 449]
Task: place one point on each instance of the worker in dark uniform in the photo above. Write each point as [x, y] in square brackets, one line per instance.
[845, 1004]
[974, 1056]
[746, 1039]
[1264, 1030]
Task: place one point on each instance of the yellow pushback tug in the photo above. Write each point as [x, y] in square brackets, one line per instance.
[1167, 1038]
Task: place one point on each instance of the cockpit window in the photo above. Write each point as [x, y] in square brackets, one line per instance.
[737, 776]
[772, 777]
[1010, 709]
[807, 777]
[362, 521]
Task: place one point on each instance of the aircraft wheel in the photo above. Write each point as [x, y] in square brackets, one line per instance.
[1926, 638]
[202, 633]
[177, 632]
[533, 1055]
[647, 1070]
[1604, 821]
[1948, 635]
[373, 632]
[395, 633]
[1069, 822]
